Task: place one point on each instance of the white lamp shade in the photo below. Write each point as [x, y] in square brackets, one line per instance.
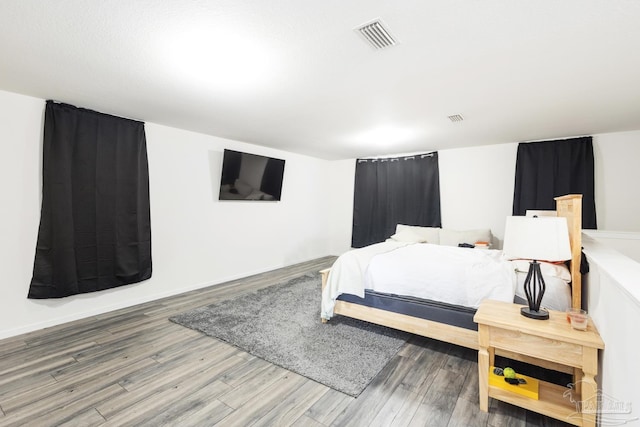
[541, 239]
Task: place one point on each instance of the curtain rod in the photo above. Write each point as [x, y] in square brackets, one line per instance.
[395, 159]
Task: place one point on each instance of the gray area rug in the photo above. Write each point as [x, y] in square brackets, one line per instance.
[281, 324]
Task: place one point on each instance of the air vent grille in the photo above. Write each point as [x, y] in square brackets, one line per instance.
[456, 118]
[376, 34]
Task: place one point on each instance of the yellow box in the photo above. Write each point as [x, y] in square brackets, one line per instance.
[530, 389]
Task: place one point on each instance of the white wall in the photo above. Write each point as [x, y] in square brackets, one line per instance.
[613, 301]
[617, 179]
[625, 242]
[20, 188]
[339, 204]
[476, 187]
[196, 240]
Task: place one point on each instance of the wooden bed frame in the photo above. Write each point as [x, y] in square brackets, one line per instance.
[569, 206]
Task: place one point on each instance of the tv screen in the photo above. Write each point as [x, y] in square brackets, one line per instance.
[250, 177]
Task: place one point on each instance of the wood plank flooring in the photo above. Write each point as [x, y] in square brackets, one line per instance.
[133, 367]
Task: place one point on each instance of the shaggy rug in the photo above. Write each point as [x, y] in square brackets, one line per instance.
[281, 324]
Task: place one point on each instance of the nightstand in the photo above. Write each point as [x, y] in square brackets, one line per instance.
[502, 327]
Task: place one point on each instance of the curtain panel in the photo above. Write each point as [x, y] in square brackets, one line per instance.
[390, 191]
[95, 226]
[549, 169]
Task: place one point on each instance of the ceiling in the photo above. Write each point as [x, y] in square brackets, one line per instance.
[294, 75]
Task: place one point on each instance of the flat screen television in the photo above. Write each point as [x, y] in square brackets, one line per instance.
[250, 177]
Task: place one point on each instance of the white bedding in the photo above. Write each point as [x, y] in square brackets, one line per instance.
[448, 274]
[453, 275]
[347, 274]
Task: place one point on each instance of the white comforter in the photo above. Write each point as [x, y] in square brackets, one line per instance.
[347, 273]
[448, 274]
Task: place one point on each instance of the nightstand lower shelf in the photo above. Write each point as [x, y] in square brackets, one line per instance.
[551, 402]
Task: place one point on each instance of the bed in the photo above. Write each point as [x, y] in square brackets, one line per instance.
[432, 318]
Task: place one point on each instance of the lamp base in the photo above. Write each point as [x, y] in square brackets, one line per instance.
[541, 314]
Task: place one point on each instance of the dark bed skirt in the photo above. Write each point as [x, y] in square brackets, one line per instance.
[440, 312]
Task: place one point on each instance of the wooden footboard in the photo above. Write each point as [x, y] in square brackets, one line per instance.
[415, 325]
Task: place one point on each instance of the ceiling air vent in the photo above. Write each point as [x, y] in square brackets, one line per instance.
[456, 118]
[376, 34]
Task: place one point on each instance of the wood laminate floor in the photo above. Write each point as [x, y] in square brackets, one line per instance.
[133, 367]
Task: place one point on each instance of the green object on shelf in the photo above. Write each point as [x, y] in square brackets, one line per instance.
[509, 373]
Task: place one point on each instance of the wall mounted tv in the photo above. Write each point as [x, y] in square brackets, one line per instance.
[250, 177]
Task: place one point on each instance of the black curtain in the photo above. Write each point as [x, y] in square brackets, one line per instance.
[390, 191]
[549, 169]
[95, 228]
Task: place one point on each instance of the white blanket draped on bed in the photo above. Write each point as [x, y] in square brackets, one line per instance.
[448, 274]
[347, 274]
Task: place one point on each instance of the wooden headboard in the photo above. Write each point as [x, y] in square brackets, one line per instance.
[570, 207]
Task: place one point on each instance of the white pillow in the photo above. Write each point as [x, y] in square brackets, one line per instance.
[410, 236]
[429, 234]
[546, 268]
[455, 237]
[557, 295]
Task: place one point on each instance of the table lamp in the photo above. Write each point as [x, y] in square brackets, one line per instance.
[536, 239]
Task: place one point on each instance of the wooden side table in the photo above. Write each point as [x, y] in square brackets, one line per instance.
[501, 326]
